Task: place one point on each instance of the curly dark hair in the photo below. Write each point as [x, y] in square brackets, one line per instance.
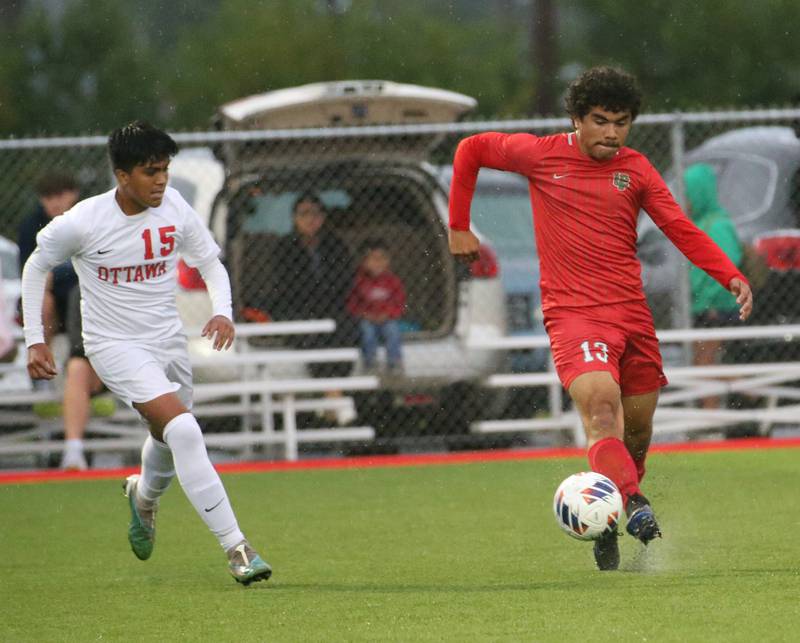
[611, 89]
[139, 143]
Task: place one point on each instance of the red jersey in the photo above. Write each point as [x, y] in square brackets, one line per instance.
[382, 294]
[585, 215]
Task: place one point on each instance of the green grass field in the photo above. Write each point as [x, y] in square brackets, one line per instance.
[456, 552]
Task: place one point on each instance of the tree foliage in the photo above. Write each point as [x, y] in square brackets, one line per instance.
[97, 63]
[87, 71]
[690, 54]
[252, 47]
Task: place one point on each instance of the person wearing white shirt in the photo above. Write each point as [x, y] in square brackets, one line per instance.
[124, 245]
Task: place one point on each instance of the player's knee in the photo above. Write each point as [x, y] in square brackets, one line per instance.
[79, 368]
[602, 417]
[183, 432]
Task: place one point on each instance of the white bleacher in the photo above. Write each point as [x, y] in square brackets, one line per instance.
[255, 396]
[775, 382]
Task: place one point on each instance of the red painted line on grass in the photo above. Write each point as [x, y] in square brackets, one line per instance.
[365, 462]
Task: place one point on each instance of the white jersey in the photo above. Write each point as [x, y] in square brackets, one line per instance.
[126, 264]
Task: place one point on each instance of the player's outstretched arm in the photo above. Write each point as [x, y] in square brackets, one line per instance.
[701, 250]
[464, 245]
[221, 331]
[41, 365]
[744, 297]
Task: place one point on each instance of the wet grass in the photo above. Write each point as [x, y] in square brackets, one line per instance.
[455, 552]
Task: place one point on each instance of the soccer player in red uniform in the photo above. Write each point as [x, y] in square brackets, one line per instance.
[586, 191]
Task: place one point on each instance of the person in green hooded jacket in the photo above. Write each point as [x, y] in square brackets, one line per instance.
[712, 305]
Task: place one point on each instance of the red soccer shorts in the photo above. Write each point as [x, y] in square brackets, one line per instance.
[619, 338]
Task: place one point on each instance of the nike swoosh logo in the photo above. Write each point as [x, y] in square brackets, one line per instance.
[214, 507]
[559, 176]
[103, 252]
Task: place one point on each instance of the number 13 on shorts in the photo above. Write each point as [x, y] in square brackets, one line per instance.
[595, 350]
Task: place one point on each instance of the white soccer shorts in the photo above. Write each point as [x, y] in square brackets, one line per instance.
[136, 372]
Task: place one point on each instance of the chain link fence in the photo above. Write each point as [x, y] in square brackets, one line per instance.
[350, 224]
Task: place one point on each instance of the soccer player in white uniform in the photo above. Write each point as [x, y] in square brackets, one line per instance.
[124, 245]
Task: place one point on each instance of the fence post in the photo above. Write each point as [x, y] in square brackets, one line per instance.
[681, 313]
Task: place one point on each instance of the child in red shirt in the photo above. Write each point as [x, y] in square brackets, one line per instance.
[377, 301]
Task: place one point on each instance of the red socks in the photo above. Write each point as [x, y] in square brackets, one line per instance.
[610, 457]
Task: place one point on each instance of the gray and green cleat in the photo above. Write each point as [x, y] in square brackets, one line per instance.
[142, 528]
[246, 566]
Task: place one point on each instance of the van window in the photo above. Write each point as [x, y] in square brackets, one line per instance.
[272, 211]
[361, 206]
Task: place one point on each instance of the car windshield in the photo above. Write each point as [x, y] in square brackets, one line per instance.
[745, 183]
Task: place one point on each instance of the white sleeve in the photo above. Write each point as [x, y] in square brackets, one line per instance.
[197, 246]
[56, 242]
[34, 278]
[59, 240]
[219, 287]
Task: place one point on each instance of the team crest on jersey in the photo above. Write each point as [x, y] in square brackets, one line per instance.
[621, 181]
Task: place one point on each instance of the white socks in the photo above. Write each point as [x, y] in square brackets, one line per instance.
[157, 471]
[73, 445]
[200, 481]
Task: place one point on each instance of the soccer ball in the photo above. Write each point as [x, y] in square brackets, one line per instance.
[587, 505]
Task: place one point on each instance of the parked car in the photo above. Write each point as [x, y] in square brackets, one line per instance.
[758, 174]
[371, 186]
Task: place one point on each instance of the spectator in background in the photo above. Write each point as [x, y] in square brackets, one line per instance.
[377, 301]
[312, 276]
[57, 193]
[313, 273]
[712, 305]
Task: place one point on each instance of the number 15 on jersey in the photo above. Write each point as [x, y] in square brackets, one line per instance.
[167, 237]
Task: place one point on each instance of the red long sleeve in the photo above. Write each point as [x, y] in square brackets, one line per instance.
[702, 251]
[509, 152]
[585, 214]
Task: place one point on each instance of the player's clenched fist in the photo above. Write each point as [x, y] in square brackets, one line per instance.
[41, 365]
[464, 245]
[221, 331]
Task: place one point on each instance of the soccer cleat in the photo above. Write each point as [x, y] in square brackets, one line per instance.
[641, 520]
[606, 551]
[246, 566]
[142, 528]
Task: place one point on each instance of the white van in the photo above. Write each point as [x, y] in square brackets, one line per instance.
[372, 186]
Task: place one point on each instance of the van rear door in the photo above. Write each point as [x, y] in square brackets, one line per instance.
[302, 118]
